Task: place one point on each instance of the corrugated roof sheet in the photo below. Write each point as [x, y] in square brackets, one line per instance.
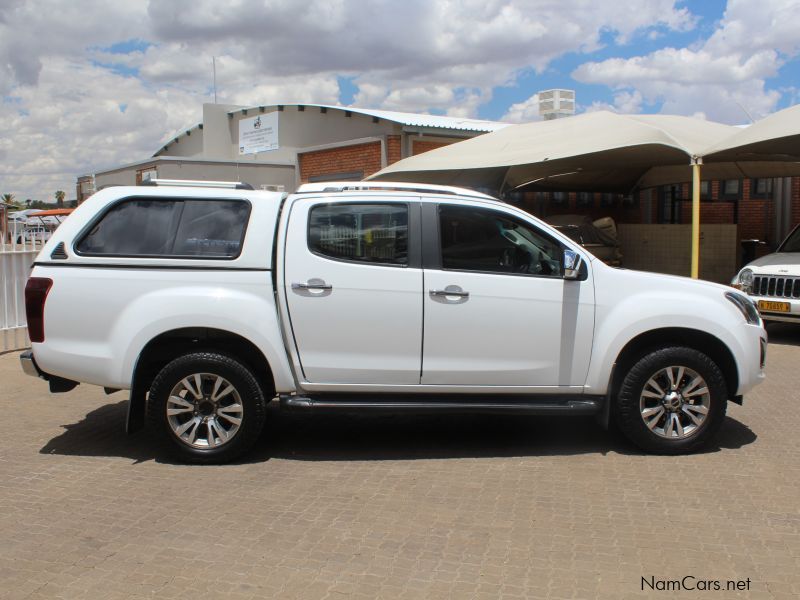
[409, 119]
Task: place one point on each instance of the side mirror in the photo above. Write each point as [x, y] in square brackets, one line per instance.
[572, 265]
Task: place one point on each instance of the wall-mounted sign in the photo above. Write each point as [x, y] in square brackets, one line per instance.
[258, 134]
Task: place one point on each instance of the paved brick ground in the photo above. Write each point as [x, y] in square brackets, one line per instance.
[395, 507]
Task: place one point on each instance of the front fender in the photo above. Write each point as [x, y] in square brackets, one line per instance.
[620, 322]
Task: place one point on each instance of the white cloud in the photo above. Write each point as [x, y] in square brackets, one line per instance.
[523, 112]
[717, 77]
[66, 128]
[625, 102]
[63, 86]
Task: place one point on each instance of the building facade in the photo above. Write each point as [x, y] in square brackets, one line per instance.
[279, 147]
[282, 146]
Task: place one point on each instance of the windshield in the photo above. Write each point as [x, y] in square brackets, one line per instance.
[792, 243]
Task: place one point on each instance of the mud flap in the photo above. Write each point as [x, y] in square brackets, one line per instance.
[135, 418]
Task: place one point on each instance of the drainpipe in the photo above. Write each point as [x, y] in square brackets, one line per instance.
[786, 184]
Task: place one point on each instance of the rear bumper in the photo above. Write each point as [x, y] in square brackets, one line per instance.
[29, 366]
[57, 384]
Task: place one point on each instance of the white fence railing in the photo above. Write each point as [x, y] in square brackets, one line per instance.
[16, 257]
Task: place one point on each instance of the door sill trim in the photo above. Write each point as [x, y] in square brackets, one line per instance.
[395, 403]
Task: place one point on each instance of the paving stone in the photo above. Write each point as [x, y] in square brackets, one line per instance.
[395, 507]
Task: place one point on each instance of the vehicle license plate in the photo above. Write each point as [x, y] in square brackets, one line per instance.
[773, 306]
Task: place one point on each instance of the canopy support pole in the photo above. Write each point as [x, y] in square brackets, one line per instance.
[503, 184]
[696, 164]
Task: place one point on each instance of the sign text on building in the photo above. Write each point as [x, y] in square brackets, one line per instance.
[258, 134]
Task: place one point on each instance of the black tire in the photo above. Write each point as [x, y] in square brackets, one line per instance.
[628, 411]
[252, 407]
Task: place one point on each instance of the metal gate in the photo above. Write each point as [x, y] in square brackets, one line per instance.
[17, 253]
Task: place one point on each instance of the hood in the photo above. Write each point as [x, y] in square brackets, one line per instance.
[648, 279]
[789, 260]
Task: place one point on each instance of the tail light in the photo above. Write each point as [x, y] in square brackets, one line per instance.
[35, 294]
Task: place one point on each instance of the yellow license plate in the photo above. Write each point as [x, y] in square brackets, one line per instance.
[773, 306]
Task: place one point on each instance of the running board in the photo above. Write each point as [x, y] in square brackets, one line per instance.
[549, 406]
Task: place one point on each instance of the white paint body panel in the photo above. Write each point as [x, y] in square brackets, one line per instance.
[511, 330]
[97, 321]
[514, 335]
[630, 303]
[367, 329]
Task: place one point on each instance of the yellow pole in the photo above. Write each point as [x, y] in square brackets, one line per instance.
[696, 162]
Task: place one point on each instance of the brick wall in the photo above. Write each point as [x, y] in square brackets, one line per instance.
[420, 146]
[596, 208]
[365, 158]
[393, 150]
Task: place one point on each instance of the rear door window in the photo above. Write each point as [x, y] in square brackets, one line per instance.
[169, 228]
[370, 233]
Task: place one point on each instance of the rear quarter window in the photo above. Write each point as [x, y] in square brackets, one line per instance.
[168, 227]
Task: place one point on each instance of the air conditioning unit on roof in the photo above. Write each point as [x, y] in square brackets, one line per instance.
[554, 104]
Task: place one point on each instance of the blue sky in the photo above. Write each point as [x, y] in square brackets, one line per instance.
[558, 73]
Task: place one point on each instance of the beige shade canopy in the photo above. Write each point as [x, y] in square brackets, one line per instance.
[601, 151]
[774, 139]
[604, 151]
[608, 152]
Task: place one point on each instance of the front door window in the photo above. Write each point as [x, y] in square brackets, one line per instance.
[476, 239]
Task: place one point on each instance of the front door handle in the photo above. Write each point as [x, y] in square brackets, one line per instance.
[450, 290]
[313, 284]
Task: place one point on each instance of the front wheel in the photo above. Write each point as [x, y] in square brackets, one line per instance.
[210, 407]
[672, 401]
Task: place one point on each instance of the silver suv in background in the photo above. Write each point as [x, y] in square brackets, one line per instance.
[773, 281]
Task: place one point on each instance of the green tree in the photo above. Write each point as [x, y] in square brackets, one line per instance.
[8, 198]
[60, 198]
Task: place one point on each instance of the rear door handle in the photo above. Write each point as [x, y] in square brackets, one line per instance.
[450, 290]
[313, 284]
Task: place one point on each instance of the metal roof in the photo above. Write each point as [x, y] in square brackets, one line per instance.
[403, 118]
[409, 119]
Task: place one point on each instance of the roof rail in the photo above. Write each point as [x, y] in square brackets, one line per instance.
[231, 185]
[388, 186]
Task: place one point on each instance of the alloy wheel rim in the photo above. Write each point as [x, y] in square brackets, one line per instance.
[204, 411]
[674, 402]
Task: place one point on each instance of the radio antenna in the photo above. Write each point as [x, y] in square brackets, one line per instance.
[214, 71]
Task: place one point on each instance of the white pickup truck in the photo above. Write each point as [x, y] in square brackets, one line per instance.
[210, 300]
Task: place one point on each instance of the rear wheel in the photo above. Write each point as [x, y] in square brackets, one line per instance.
[210, 407]
[672, 401]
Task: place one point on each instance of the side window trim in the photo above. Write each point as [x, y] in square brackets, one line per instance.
[414, 249]
[432, 249]
[86, 230]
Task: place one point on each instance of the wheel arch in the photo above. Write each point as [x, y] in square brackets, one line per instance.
[653, 339]
[168, 345]
[702, 341]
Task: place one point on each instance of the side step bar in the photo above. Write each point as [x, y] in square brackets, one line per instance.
[549, 406]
